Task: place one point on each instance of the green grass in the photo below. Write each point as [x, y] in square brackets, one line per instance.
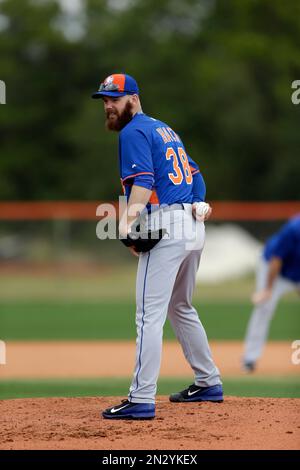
[59, 320]
[105, 283]
[237, 386]
[66, 304]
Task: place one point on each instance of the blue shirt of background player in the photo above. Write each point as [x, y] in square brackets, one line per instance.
[143, 162]
[286, 245]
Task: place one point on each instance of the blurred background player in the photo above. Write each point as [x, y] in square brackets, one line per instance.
[278, 272]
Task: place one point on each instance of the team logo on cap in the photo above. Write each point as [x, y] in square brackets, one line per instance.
[109, 80]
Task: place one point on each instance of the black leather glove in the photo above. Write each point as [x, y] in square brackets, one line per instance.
[143, 241]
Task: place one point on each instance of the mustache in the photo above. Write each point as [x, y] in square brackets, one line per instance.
[109, 113]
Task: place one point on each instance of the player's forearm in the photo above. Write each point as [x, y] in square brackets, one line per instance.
[138, 199]
[265, 294]
[275, 265]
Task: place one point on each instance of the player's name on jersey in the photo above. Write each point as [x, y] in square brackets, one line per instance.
[168, 135]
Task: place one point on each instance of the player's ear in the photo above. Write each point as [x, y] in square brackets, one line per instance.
[135, 98]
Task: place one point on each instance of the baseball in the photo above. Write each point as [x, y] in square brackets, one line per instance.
[202, 208]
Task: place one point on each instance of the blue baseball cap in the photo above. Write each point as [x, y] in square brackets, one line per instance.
[118, 84]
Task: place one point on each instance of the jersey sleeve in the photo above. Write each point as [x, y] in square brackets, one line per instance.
[136, 164]
[193, 166]
[199, 188]
[285, 242]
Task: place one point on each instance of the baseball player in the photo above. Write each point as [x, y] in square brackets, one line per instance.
[278, 272]
[156, 172]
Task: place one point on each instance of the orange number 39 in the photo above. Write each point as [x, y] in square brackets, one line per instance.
[177, 176]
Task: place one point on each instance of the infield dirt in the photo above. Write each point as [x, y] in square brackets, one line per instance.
[74, 359]
[76, 423]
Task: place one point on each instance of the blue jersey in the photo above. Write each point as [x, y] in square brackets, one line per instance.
[286, 245]
[152, 155]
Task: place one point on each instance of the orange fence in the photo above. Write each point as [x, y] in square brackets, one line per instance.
[79, 210]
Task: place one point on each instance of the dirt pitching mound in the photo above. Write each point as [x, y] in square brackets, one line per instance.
[75, 423]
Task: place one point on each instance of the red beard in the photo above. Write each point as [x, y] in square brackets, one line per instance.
[119, 120]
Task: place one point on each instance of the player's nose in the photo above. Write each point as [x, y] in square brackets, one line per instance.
[108, 105]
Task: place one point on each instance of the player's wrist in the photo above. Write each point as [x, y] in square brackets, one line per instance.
[124, 229]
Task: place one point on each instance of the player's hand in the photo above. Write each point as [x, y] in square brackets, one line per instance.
[208, 213]
[123, 232]
[201, 211]
[261, 296]
[133, 252]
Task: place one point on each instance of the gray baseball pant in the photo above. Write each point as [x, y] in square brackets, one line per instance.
[259, 323]
[165, 283]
